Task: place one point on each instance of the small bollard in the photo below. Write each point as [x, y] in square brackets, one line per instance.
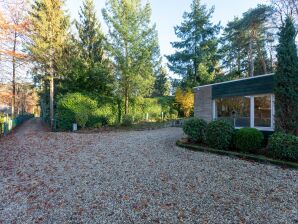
[74, 127]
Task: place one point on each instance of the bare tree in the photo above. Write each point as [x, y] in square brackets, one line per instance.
[14, 26]
[286, 8]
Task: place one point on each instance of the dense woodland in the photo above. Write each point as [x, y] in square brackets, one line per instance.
[101, 78]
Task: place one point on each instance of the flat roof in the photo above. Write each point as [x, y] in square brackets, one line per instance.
[236, 80]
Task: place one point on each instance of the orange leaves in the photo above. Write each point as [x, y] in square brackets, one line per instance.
[186, 100]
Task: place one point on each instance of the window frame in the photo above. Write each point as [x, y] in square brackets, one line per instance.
[252, 112]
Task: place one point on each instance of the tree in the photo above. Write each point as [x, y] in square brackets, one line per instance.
[284, 9]
[162, 83]
[49, 31]
[286, 80]
[252, 25]
[14, 26]
[185, 99]
[198, 45]
[133, 44]
[233, 49]
[85, 66]
[91, 38]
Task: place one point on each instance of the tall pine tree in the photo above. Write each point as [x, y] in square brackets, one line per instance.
[48, 34]
[91, 38]
[196, 52]
[133, 44]
[87, 67]
[286, 80]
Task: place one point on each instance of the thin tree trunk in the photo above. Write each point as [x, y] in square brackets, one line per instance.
[126, 97]
[251, 61]
[52, 101]
[51, 89]
[262, 59]
[126, 101]
[238, 62]
[13, 100]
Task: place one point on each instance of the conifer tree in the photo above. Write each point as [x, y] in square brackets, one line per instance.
[286, 80]
[87, 67]
[162, 83]
[197, 45]
[48, 34]
[91, 37]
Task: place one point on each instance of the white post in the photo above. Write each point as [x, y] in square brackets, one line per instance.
[252, 112]
[214, 109]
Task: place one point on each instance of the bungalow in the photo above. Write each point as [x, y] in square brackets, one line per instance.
[247, 102]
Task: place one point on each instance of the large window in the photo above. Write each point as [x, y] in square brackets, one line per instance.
[262, 116]
[246, 111]
[234, 109]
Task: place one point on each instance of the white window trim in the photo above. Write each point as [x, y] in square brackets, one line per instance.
[252, 113]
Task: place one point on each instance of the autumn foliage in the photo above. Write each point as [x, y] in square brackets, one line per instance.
[185, 99]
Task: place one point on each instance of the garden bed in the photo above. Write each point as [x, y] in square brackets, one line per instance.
[258, 158]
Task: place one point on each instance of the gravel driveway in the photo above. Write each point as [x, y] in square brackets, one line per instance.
[135, 177]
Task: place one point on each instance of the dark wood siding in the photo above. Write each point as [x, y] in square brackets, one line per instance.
[246, 87]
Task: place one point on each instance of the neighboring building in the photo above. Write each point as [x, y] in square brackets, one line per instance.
[247, 102]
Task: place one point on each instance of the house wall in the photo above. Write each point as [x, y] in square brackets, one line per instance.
[203, 103]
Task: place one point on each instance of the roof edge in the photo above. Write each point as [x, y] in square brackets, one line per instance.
[236, 80]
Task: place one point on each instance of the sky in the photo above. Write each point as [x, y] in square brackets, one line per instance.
[168, 13]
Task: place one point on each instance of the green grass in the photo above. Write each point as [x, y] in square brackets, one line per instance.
[257, 158]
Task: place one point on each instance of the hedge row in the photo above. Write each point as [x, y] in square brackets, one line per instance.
[94, 111]
[221, 135]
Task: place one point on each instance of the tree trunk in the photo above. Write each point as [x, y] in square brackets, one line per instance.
[52, 101]
[238, 62]
[126, 102]
[251, 61]
[13, 100]
[262, 59]
[51, 89]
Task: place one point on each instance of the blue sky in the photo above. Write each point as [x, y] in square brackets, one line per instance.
[168, 13]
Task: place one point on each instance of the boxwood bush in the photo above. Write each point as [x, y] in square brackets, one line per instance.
[249, 139]
[219, 134]
[195, 129]
[283, 146]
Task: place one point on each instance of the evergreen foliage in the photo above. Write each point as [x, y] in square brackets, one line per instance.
[286, 80]
[162, 84]
[195, 58]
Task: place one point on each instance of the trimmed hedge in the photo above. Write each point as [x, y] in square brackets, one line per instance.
[283, 146]
[195, 128]
[248, 139]
[219, 134]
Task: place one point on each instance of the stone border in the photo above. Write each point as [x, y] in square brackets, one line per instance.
[257, 158]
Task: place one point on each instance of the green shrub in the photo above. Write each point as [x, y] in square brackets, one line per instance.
[283, 146]
[219, 134]
[195, 129]
[174, 114]
[249, 139]
[81, 117]
[70, 105]
[127, 120]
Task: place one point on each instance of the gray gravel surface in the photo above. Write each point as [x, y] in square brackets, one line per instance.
[135, 177]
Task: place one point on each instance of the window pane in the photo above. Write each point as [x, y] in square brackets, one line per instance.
[263, 111]
[234, 107]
